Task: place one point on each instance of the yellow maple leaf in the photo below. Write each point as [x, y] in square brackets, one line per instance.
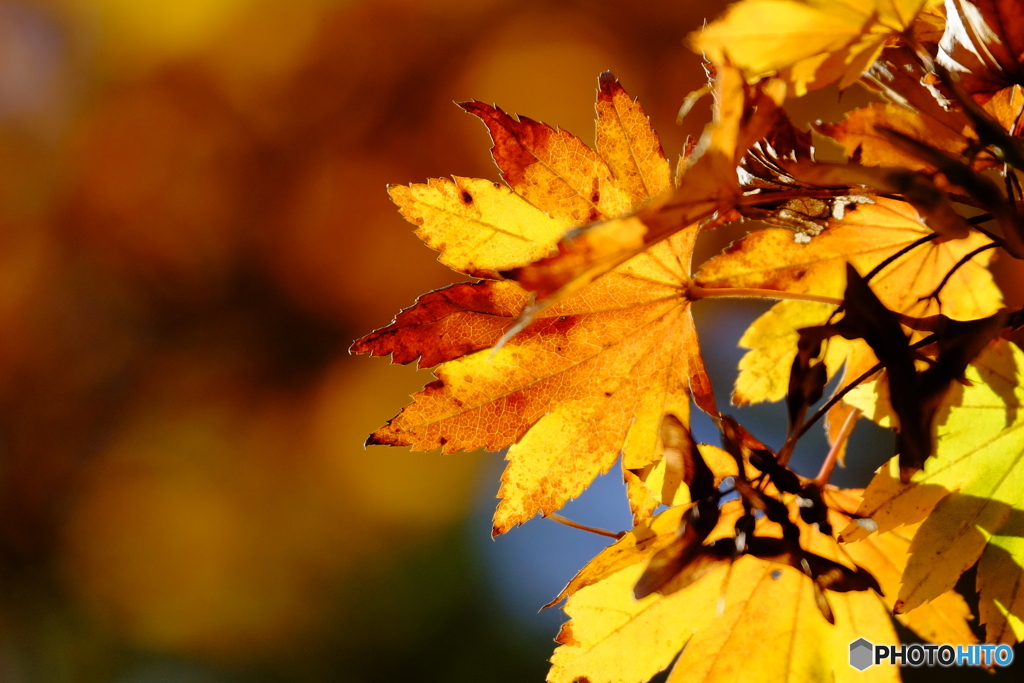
[885, 555]
[558, 173]
[578, 349]
[764, 370]
[867, 236]
[809, 43]
[657, 478]
[768, 608]
[919, 110]
[969, 494]
[1000, 578]
[591, 377]
[477, 225]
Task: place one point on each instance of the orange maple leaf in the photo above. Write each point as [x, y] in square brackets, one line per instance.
[593, 374]
[706, 184]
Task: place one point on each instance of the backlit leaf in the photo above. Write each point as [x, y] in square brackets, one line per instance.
[577, 348]
[589, 377]
[478, 226]
[967, 492]
[707, 183]
[858, 133]
[866, 236]
[592, 376]
[1000, 582]
[982, 43]
[809, 43]
[943, 620]
[767, 608]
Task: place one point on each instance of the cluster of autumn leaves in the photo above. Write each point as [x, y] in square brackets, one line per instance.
[576, 346]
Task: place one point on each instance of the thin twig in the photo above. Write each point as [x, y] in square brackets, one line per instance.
[837, 445]
[1015, 192]
[838, 396]
[774, 197]
[696, 292]
[555, 517]
[1010, 185]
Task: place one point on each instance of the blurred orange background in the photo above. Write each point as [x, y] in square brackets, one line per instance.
[193, 228]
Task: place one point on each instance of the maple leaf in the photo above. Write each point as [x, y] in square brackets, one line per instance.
[706, 183]
[886, 235]
[933, 142]
[968, 493]
[866, 236]
[861, 133]
[808, 43]
[680, 605]
[768, 608]
[943, 620]
[592, 375]
[978, 62]
[915, 396]
[578, 347]
[916, 107]
[556, 172]
[982, 43]
[478, 226]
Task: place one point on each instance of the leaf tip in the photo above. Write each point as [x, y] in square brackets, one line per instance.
[555, 601]
[481, 109]
[379, 439]
[608, 84]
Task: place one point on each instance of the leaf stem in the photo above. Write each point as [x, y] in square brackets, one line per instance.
[696, 292]
[554, 516]
[767, 197]
[837, 445]
[838, 396]
[1013, 188]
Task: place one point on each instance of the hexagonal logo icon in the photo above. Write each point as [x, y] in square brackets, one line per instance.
[860, 654]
